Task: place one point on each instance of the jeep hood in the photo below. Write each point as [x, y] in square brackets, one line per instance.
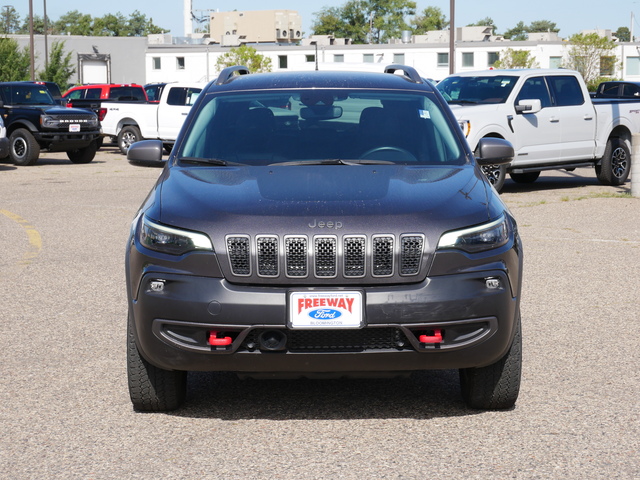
[321, 199]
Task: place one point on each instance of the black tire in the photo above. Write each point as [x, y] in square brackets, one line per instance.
[23, 148]
[528, 177]
[615, 165]
[128, 136]
[496, 174]
[152, 389]
[495, 386]
[83, 155]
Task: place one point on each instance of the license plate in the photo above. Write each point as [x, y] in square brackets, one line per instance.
[338, 309]
[74, 127]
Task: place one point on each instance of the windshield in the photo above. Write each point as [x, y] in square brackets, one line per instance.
[27, 94]
[473, 90]
[321, 126]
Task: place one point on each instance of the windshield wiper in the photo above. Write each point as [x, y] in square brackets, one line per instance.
[335, 161]
[463, 102]
[208, 161]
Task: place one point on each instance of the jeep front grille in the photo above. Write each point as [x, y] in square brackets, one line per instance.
[325, 256]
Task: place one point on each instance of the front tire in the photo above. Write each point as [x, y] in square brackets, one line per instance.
[152, 389]
[83, 155]
[615, 165]
[528, 177]
[495, 386]
[23, 148]
[127, 137]
[496, 174]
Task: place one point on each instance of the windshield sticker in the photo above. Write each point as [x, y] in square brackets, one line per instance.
[424, 113]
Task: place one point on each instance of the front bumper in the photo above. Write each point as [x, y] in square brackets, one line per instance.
[174, 317]
[64, 141]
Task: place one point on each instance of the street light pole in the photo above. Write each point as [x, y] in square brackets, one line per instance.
[452, 37]
[31, 43]
[46, 46]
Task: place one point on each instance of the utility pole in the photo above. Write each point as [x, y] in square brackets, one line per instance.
[46, 44]
[452, 37]
[31, 43]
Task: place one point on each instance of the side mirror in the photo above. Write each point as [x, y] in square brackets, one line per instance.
[146, 153]
[494, 151]
[529, 106]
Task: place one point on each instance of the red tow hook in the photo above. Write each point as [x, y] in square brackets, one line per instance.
[219, 342]
[435, 338]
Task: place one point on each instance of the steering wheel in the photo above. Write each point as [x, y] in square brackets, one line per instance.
[395, 154]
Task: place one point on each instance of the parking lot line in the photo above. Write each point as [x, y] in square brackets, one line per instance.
[35, 240]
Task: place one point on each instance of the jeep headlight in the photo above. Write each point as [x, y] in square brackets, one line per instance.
[479, 238]
[173, 241]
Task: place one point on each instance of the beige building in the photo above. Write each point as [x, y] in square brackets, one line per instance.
[263, 26]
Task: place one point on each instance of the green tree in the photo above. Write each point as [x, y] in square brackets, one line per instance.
[517, 33]
[589, 53]
[14, 63]
[623, 34]
[111, 25]
[374, 21]
[542, 26]
[520, 31]
[10, 20]
[430, 19]
[246, 56]
[74, 23]
[485, 22]
[59, 68]
[511, 58]
[139, 26]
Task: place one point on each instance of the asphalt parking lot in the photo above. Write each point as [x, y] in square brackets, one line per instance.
[64, 406]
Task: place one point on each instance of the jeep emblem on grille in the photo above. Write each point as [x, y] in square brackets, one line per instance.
[325, 224]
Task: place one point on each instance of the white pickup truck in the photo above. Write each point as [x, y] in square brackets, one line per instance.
[549, 118]
[131, 122]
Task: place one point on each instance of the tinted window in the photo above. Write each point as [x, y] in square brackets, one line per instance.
[566, 90]
[535, 89]
[183, 96]
[128, 94]
[610, 90]
[93, 93]
[309, 125]
[26, 95]
[477, 89]
[630, 90]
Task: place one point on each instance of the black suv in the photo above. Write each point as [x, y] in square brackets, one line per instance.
[34, 122]
[323, 224]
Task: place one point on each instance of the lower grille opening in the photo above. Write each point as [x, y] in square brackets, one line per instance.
[337, 340]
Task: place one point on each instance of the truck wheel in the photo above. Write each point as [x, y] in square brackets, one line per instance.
[615, 165]
[23, 148]
[495, 386]
[83, 155]
[127, 136]
[496, 175]
[528, 177]
[152, 389]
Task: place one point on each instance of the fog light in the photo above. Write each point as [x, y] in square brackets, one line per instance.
[493, 283]
[156, 285]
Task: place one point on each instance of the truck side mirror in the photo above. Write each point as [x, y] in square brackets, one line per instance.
[146, 153]
[529, 106]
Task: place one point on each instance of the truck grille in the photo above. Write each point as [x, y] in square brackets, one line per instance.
[325, 256]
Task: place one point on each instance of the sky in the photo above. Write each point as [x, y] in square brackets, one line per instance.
[571, 16]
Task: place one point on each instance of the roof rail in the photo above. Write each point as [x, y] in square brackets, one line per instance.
[227, 73]
[409, 72]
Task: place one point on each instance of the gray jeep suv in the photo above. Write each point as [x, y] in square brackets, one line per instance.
[322, 224]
